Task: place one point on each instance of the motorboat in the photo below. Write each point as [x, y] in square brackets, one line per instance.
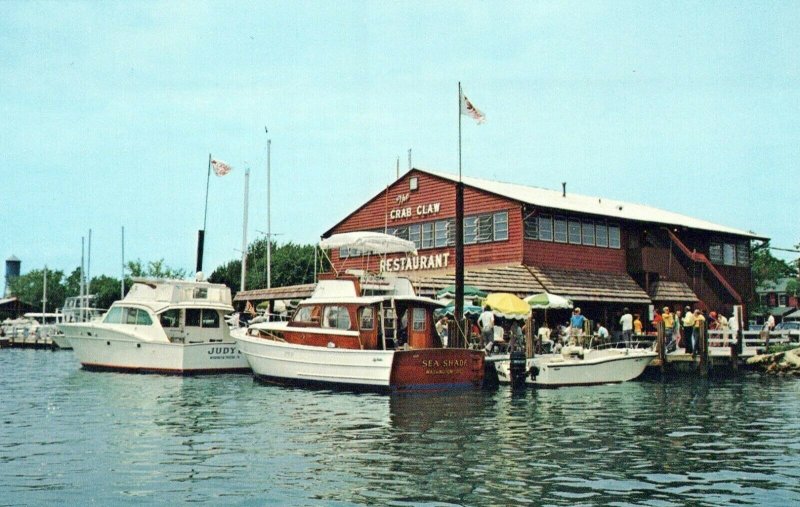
[577, 366]
[362, 332]
[76, 309]
[161, 326]
[33, 330]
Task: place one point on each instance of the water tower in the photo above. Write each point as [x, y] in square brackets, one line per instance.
[12, 271]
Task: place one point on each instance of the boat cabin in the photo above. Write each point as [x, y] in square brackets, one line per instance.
[338, 315]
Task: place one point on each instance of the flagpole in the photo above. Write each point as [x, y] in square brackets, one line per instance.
[202, 232]
[459, 303]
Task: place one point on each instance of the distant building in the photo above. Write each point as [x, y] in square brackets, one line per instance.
[603, 254]
[780, 296]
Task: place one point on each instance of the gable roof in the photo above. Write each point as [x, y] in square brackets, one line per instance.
[592, 205]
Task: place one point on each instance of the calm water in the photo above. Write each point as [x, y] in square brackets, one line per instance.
[68, 436]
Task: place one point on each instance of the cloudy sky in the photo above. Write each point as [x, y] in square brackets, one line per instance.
[110, 110]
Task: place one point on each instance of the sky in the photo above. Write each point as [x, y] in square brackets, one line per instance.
[109, 111]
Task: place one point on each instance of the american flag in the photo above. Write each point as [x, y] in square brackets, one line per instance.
[220, 167]
[470, 110]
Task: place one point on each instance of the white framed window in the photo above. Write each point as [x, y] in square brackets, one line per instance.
[614, 236]
[501, 226]
[546, 228]
[587, 233]
[575, 232]
[560, 230]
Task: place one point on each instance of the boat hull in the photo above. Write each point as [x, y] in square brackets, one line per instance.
[607, 366]
[117, 352]
[373, 370]
[61, 341]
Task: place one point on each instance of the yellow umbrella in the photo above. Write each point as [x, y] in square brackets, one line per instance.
[507, 305]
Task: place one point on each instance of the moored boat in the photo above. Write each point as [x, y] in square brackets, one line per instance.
[361, 332]
[76, 309]
[578, 366]
[161, 326]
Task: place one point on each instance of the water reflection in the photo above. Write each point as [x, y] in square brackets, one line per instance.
[72, 436]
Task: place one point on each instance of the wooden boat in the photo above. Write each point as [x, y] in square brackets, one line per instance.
[363, 333]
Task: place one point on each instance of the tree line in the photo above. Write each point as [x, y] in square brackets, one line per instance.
[292, 264]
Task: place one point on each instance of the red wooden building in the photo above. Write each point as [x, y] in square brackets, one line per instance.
[603, 254]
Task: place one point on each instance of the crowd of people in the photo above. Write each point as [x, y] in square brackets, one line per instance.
[681, 329]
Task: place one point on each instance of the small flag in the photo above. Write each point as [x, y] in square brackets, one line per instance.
[220, 167]
[470, 110]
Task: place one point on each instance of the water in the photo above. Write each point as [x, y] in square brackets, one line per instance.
[73, 437]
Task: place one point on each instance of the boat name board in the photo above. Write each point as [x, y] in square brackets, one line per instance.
[443, 367]
[223, 353]
[415, 263]
[418, 211]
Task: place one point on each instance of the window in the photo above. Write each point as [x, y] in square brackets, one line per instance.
[200, 293]
[413, 183]
[210, 318]
[130, 316]
[715, 253]
[560, 230]
[193, 317]
[588, 233]
[114, 316]
[613, 236]
[345, 252]
[336, 317]
[427, 235]
[170, 318]
[418, 317]
[414, 235]
[729, 254]
[367, 318]
[743, 254]
[575, 232]
[143, 318]
[485, 228]
[440, 234]
[531, 224]
[306, 314]
[546, 228]
[470, 230]
[782, 299]
[501, 226]
[601, 235]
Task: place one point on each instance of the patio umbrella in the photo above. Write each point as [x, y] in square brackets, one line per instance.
[451, 310]
[469, 292]
[545, 300]
[507, 305]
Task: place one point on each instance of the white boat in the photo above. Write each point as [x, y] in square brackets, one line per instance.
[33, 329]
[161, 326]
[578, 366]
[361, 332]
[76, 309]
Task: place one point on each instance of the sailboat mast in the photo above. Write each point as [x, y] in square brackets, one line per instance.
[244, 227]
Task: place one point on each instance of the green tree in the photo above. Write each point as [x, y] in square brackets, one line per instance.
[229, 274]
[29, 288]
[154, 269]
[107, 289]
[767, 267]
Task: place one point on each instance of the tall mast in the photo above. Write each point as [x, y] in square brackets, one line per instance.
[89, 265]
[459, 303]
[83, 280]
[122, 278]
[44, 294]
[244, 227]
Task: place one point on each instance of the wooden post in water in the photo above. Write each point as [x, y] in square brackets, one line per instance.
[529, 334]
[702, 340]
[661, 345]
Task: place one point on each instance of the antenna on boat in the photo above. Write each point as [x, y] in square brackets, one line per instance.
[244, 227]
[269, 206]
[122, 278]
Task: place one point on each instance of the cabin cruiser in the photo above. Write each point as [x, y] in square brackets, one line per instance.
[161, 326]
[362, 332]
[575, 366]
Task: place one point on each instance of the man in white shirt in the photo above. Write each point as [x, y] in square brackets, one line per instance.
[486, 322]
[626, 321]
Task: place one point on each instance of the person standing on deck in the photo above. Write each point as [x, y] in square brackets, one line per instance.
[669, 325]
[626, 321]
[486, 321]
[688, 331]
[576, 323]
[676, 329]
[699, 320]
[637, 324]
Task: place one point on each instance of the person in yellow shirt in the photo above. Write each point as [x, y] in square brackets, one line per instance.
[699, 320]
[669, 327]
[637, 324]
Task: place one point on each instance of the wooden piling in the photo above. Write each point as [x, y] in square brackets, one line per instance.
[661, 345]
[702, 340]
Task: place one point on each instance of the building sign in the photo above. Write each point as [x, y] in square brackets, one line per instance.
[415, 262]
[413, 211]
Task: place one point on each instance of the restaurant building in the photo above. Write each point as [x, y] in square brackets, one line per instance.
[601, 253]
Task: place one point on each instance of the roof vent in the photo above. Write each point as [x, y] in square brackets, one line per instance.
[563, 189]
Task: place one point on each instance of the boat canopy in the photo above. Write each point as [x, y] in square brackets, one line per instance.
[369, 242]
